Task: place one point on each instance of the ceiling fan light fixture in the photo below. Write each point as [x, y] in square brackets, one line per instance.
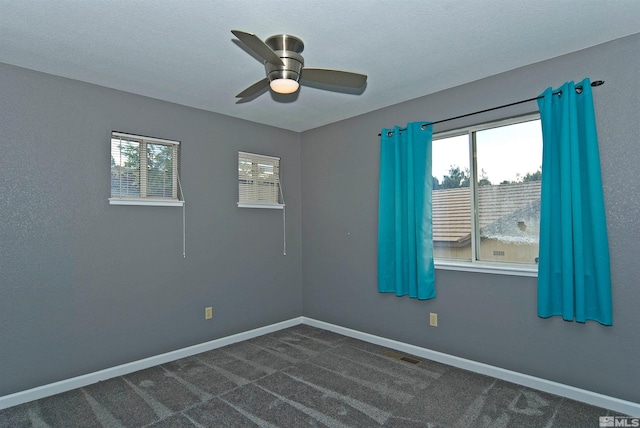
[284, 86]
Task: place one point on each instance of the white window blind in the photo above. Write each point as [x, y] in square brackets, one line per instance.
[144, 170]
[258, 181]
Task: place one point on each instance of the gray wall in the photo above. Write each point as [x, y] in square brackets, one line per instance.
[86, 286]
[483, 317]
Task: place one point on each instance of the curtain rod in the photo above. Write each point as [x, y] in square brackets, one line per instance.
[578, 89]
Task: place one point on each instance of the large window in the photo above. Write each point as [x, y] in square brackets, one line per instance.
[486, 195]
[144, 170]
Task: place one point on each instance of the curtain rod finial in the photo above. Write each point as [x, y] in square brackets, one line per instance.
[597, 83]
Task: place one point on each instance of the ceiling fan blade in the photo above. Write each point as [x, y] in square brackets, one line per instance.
[334, 77]
[254, 89]
[254, 43]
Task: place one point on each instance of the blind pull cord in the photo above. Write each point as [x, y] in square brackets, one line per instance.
[284, 220]
[184, 222]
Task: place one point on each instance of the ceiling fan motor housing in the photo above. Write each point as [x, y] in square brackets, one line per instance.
[291, 69]
[288, 48]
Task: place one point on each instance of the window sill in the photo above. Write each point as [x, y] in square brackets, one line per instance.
[146, 201]
[491, 268]
[259, 205]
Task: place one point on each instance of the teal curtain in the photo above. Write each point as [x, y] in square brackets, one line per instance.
[405, 234]
[573, 272]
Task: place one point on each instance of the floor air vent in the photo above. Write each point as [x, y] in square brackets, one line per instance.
[401, 357]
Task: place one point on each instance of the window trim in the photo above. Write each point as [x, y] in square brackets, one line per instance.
[480, 266]
[260, 205]
[144, 201]
[474, 265]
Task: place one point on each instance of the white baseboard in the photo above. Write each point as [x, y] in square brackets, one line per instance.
[589, 397]
[91, 378]
[624, 407]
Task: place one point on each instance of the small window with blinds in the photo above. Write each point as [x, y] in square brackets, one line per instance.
[258, 181]
[144, 171]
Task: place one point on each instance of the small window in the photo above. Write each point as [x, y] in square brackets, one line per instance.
[486, 195]
[258, 181]
[144, 171]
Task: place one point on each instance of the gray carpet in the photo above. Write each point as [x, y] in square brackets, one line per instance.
[303, 376]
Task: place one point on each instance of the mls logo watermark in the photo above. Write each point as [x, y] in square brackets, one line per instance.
[619, 421]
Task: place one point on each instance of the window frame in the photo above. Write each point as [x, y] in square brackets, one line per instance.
[475, 265]
[145, 200]
[272, 161]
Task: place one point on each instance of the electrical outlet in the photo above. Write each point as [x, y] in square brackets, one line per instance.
[208, 313]
[433, 319]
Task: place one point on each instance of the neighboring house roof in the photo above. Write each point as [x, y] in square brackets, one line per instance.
[507, 212]
[451, 219]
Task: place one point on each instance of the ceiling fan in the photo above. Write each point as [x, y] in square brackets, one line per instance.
[285, 66]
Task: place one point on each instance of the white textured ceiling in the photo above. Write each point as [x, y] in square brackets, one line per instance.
[183, 50]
